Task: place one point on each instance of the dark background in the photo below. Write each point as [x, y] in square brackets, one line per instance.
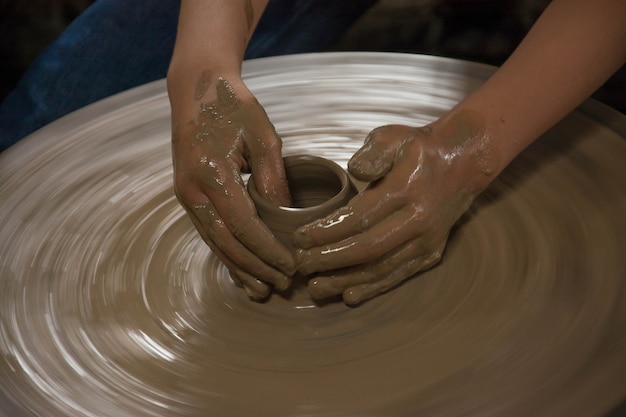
[478, 30]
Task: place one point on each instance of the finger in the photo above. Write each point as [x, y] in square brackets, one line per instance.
[365, 209]
[255, 289]
[380, 151]
[270, 179]
[360, 283]
[335, 283]
[384, 148]
[374, 159]
[235, 279]
[327, 286]
[359, 293]
[378, 240]
[235, 255]
[264, 156]
[362, 292]
[222, 184]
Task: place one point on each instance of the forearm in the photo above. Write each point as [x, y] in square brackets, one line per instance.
[211, 40]
[572, 49]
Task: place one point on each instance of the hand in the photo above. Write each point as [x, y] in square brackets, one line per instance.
[230, 133]
[421, 184]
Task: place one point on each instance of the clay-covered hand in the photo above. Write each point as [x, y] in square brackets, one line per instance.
[422, 181]
[227, 134]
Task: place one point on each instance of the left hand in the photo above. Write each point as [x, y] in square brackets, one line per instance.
[229, 134]
[420, 186]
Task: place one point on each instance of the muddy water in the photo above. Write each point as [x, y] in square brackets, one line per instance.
[111, 305]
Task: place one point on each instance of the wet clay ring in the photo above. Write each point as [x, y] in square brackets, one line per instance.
[318, 186]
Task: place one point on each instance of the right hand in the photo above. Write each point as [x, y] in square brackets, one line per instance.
[216, 135]
[422, 180]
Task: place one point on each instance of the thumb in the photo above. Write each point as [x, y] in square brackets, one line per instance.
[264, 157]
[377, 156]
[270, 179]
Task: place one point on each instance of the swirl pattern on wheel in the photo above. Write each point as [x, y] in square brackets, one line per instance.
[111, 304]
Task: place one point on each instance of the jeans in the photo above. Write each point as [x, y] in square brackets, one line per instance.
[119, 44]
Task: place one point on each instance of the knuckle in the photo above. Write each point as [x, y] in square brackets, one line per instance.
[269, 149]
[363, 224]
[434, 258]
[420, 218]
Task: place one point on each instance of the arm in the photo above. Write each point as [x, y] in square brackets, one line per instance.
[424, 179]
[218, 131]
[211, 41]
[572, 49]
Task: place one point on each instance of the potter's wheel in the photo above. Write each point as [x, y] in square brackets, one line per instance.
[111, 305]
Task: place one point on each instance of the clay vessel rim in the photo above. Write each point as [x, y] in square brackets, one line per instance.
[303, 159]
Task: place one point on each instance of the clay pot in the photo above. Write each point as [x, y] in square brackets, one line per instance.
[318, 187]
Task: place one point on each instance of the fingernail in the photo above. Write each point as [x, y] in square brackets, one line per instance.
[283, 283]
[352, 296]
[257, 293]
[316, 291]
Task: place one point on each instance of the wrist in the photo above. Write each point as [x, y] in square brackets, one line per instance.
[193, 87]
[191, 79]
[467, 144]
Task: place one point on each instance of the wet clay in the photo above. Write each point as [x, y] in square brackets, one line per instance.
[317, 187]
[106, 309]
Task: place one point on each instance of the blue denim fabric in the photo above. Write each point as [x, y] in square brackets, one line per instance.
[119, 44]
